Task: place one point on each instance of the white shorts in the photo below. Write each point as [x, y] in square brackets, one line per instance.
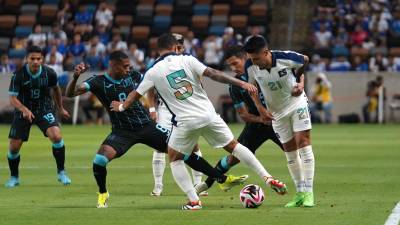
[295, 121]
[164, 116]
[216, 133]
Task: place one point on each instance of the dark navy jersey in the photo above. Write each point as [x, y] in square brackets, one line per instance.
[107, 90]
[241, 97]
[33, 90]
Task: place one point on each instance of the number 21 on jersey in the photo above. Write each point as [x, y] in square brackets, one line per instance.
[183, 87]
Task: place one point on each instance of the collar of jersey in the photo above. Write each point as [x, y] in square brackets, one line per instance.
[36, 75]
[165, 55]
[112, 80]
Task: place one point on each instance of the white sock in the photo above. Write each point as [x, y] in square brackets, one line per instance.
[307, 156]
[158, 168]
[247, 157]
[295, 167]
[196, 174]
[182, 178]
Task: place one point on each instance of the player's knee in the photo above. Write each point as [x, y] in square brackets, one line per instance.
[100, 160]
[107, 151]
[15, 145]
[174, 155]
[229, 147]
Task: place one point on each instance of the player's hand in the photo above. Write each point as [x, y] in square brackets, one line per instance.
[115, 106]
[64, 113]
[28, 115]
[297, 90]
[79, 69]
[261, 120]
[153, 116]
[266, 116]
[249, 87]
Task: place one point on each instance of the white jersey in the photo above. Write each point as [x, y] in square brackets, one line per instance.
[277, 83]
[177, 79]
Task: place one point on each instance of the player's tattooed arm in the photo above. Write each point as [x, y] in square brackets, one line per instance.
[26, 113]
[264, 113]
[300, 71]
[72, 89]
[299, 87]
[57, 96]
[248, 117]
[151, 99]
[222, 77]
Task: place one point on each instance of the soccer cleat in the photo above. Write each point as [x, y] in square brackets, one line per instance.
[63, 177]
[200, 188]
[232, 181]
[157, 191]
[192, 206]
[12, 182]
[308, 199]
[102, 200]
[297, 200]
[203, 193]
[276, 185]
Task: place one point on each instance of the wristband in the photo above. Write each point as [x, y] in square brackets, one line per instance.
[152, 109]
[121, 107]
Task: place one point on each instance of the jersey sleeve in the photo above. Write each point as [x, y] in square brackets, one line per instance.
[196, 66]
[248, 72]
[15, 84]
[146, 83]
[91, 84]
[289, 58]
[52, 76]
[236, 96]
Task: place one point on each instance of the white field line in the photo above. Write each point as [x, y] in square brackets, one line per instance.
[394, 217]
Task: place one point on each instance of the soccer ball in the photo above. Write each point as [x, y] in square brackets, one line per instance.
[251, 196]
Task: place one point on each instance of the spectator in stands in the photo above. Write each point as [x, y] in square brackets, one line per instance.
[37, 37]
[57, 33]
[57, 67]
[212, 51]
[380, 47]
[104, 15]
[359, 64]
[370, 109]
[368, 44]
[83, 19]
[378, 24]
[117, 44]
[76, 49]
[378, 63]
[104, 36]
[59, 58]
[340, 42]
[358, 36]
[321, 99]
[394, 30]
[66, 12]
[340, 64]
[322, 38]
[150, 59]
[394, 64]
[317, 65]
[192, 44]
[136, 56]
[95, 105]
[6, 65]
[254, 31]
[19, 43]
[228, 39]
[100, 48]
[93, 59]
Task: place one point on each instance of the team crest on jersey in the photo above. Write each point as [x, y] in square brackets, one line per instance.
[282, 72]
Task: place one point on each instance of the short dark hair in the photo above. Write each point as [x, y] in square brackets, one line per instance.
[118, 56]
[34, 49]
[235, 50]
[255, 44]
[166, 41]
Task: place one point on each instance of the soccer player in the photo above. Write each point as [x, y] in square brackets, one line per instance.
[130, 127]
[29, 92]
[277, 72]
[256, 130]
[177, 79]
[163, 118]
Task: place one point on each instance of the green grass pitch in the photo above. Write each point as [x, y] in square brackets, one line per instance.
[357, 182]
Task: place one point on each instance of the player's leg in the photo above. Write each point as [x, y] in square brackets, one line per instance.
[158, 165]
[19, 133]
[196, 174]
[54, 134]
[219, 135]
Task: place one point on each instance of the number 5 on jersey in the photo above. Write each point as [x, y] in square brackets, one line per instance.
[183, 87]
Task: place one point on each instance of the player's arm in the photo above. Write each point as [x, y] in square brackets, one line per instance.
[299, 87]
[300, 71]
[72, 89]
[13, 91]
[248, 117]
[265, 115]
[58, 100]
[222, 77]
[151, 100]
